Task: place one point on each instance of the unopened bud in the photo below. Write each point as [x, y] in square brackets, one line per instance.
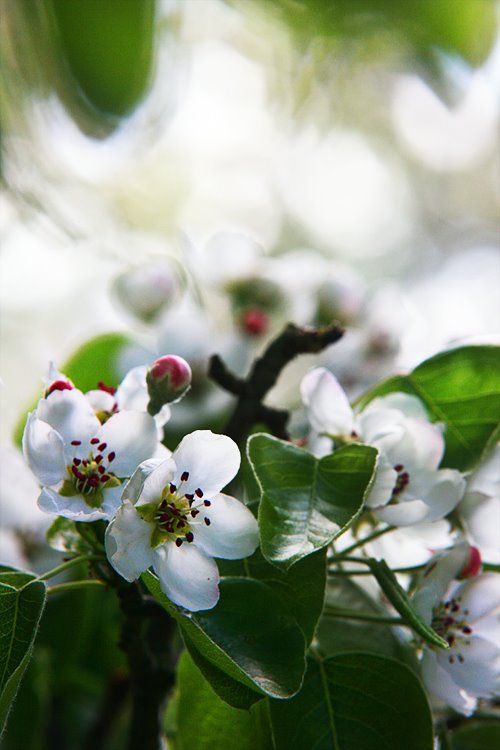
[58, 385]
[473, 566]
[168, 379]
[254, 321]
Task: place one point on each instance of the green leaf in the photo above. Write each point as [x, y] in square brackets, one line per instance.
[401, 603]
[335, 635]
[205, 722]
[484, 736]
[249, 635]
[107, 48]
[306, 502]
[97, 359]
[302, 586]
[228, 689]
[354, 701]
[460, 388]
[20, 612]
[14, 577]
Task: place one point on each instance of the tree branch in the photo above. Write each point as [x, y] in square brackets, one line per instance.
[147, 639]
[249, 409]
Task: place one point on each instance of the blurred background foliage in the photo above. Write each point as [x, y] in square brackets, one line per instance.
[362, 134]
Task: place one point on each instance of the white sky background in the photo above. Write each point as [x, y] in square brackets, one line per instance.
[237, 134]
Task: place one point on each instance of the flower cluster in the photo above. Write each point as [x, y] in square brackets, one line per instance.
[98, 455]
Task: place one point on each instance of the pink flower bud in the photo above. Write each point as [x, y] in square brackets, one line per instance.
[168, 379]
[254, 321]
[473, 565]
[59, 385]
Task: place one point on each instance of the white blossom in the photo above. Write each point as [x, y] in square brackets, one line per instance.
[409, 487]
[175, 519]
[81, 463]
[467, 616]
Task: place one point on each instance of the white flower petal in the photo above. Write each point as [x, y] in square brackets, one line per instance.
[410, 406]
[480, 595]
[383, 483]
[440, 684]
[479, 671]
[73, 507]
[161, 419]
[70, 414]
[481, 516]
[211, 461]
[437, 578]
[444, 492]
[132, 436]
[155, 482]
[43, 449]
[100, 400]
[111, 501]
[133, 487]
[132, 393]
[187, 576]
[128, 543]
[328, 407]
[405, 513]
[233, 532]
[486, 478]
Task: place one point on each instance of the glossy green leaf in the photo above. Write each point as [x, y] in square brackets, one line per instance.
[401, 602]
[460, 388]
[306, 502]
[485, 736]
[107, 48]
[205, 722]
[249, 635]
[354, 701]
[231, 691]
[302, 586]
[20, 612]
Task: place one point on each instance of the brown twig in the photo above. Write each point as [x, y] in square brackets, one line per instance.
[249, 409]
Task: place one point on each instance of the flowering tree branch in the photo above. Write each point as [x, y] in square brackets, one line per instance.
[147, 639]
[249, 409]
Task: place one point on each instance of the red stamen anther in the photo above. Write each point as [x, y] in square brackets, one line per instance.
[94, 441]
[76, 442]
[178, 542]
[111, 456]
[207, 521]
[184, 476]
[198, 492]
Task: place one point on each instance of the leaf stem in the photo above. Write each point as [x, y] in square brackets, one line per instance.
[350, 614]
[68, 564]
[342, 572]
[72, 585]
[366, 539]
